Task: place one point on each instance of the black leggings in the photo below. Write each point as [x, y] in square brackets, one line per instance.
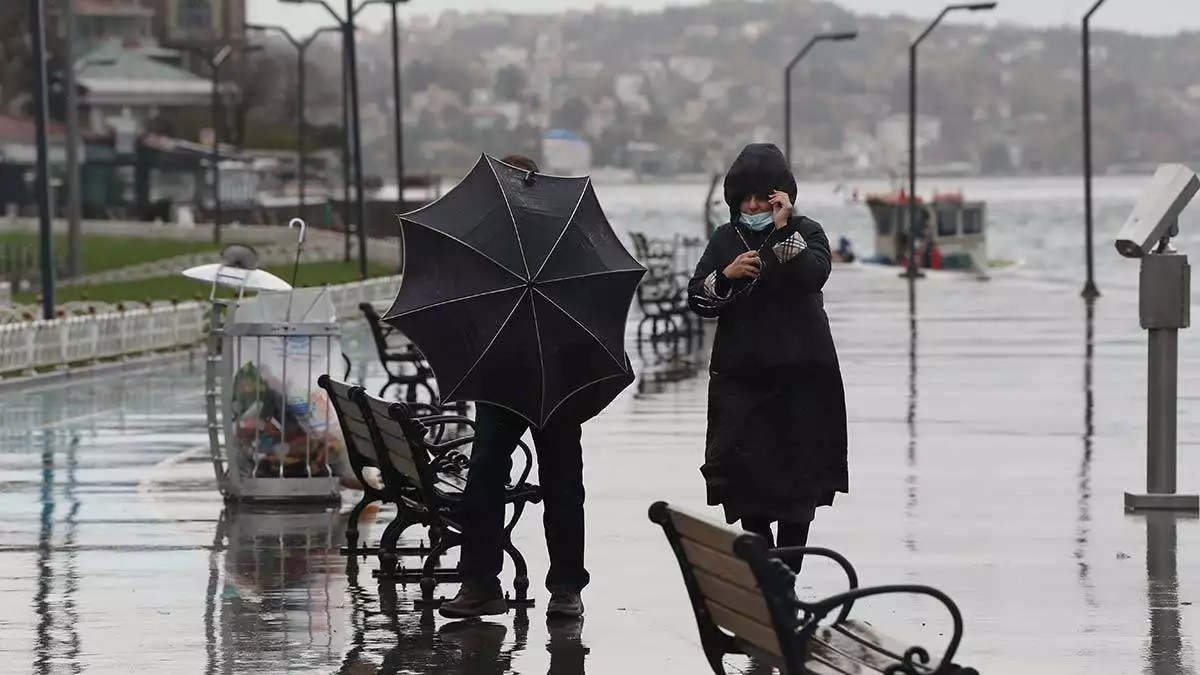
[790, 533]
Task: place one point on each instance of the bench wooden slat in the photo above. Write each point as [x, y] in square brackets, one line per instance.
[742, 601]
[858, 635]
[713, 536]
[819, 666]
[362, 444]
[402, 460]
[821, 651]
[732, 570]
[749, 630]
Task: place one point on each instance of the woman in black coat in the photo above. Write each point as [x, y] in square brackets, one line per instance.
[776, 442]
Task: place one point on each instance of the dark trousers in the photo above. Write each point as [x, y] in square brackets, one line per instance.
[560, 475]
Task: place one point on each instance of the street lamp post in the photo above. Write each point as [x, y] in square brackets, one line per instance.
[787, 82]
[347, 215]
[1089, 288]
[215, 63]
[74, 176]
[399, 115]
[301, 99]
[911, 270]
[351, 58]
[42, 182]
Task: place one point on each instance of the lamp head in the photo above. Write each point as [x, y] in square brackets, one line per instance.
[839, 37]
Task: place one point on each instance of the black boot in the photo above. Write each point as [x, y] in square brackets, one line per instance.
[564, 604]
[475, 599]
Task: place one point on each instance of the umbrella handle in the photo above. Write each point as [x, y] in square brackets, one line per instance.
[303, 229]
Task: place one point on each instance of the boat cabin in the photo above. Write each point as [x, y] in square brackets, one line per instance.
[958, 229]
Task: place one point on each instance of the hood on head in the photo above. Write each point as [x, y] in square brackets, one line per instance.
[760, 167]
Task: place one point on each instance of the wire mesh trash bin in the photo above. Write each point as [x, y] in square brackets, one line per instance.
[271, 427]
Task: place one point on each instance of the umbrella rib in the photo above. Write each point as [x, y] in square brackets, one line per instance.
[492, 342]
[452, 301]
[462, 243]
[631, 270]
[579, 389]
[511, 217]
[566, 227]
[620, 362]
[537, 331]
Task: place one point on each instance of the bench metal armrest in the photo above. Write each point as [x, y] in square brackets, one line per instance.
[524, 479]
[422, 411]
[792, 555]
[442, 449]
[444, 419]
[915, 660]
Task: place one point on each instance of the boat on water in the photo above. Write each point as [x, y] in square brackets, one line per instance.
[951, 232]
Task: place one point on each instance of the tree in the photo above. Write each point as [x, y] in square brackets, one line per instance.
[573, 115]
[511, 82]
[260, 81]
[15, 80]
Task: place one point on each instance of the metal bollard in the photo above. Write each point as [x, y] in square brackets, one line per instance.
[1164, 307]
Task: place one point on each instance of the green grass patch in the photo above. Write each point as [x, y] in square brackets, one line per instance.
[181, 288]
[106, 252]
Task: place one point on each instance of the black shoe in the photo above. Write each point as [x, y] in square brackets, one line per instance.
[564, 604]
[475, 599]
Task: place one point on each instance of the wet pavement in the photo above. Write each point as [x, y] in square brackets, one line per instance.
[991, 442]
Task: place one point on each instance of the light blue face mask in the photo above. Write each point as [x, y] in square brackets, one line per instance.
[757, 222]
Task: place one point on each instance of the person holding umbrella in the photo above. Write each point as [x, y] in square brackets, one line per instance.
[776, 442]
[517, 291]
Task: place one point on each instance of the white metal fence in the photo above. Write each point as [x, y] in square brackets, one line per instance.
[31, 346]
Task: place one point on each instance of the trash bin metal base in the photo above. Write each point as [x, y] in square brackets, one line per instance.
[276, 490]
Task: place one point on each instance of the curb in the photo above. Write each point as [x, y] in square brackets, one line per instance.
[132, 364]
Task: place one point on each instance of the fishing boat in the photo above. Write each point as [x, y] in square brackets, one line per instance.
[951, 232]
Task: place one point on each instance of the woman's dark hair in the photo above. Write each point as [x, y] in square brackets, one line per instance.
[521, 162]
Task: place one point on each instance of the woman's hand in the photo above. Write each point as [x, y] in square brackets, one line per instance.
[746, 265]
[781, 208]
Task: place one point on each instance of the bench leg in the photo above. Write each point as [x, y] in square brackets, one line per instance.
[431, 576]
[351, 550]
[389, 554]
[521, 568]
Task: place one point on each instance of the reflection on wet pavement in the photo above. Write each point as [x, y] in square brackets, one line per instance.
[971, 470]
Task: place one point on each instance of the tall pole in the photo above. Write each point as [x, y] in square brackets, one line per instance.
[787, 114]
[301, 47]
[74, 206]
[41, 122]
[399, 116]
[215, 154]
[911, 269]
[911, 263]
[787, 82]
[1089, 287]
[360, 205]
[347, 216]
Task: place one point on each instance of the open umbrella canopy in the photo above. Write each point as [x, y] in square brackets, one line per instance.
[516, 289]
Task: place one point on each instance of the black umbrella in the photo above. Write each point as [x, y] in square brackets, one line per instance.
[516, 289]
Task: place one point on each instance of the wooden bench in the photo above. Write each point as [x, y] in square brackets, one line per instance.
[424, 472]
[744, 598]
[658, 255]
[662, 300]
[362, 455]
[405, 367]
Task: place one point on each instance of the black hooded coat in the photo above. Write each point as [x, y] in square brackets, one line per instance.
[776, 441]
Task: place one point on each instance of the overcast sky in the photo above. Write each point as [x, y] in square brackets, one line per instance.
[1143, 16]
